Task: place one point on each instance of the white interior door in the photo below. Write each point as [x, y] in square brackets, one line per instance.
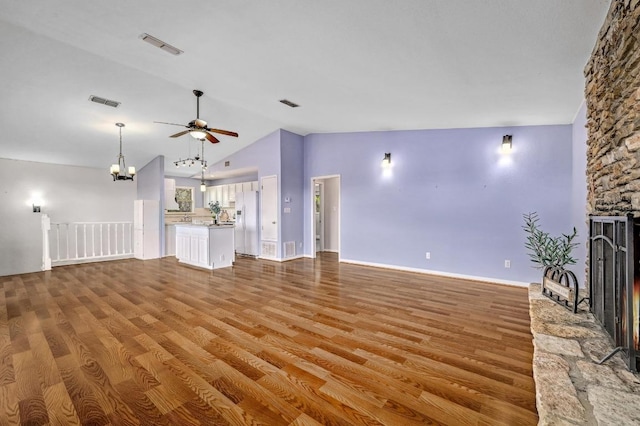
[269, 208]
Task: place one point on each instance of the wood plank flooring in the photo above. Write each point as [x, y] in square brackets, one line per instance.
[304, 342]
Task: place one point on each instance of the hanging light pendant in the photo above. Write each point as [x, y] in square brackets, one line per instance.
[119, 171]
[203, 185]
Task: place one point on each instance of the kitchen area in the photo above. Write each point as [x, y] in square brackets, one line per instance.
[192, 234]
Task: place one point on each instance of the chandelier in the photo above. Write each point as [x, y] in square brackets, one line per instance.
[119, 171]
[197, 160]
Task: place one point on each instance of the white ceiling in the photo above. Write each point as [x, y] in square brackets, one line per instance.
[352, 65]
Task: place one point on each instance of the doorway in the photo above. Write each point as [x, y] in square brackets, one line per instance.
[325, 214]
[319, 215]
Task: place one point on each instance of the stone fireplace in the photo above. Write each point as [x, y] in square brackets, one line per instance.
[571, 386]
[613, 172]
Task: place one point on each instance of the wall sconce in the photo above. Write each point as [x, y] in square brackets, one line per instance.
[506, 144]
[386, 161]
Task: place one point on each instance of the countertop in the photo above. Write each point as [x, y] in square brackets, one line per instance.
[204, 225]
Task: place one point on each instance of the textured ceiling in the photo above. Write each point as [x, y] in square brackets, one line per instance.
[352, 65]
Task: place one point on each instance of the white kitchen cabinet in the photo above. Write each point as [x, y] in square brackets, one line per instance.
[146, 229]
[169, 240]
[246, 187]
[208, 247]
[210, 196]
[232, 193]
[183, 247]
[255, 185]
[224, 195]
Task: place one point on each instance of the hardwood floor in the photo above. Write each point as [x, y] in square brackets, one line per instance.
[302, 342]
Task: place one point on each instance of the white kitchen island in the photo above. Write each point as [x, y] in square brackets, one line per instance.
[205, 246]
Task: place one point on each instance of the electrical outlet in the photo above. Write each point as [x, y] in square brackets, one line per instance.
[507, 263]
[428, 255]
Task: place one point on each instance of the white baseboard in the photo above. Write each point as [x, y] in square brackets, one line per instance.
[439, 273]
[277, 259]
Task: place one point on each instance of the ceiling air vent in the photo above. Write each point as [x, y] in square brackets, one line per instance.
[161, 44]
[289, 103]
[103, 101]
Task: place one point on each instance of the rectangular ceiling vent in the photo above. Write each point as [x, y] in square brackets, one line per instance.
[103, 101]
[161, 44]
[289, 103]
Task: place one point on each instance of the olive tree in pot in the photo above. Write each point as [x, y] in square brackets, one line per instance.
[553, 254]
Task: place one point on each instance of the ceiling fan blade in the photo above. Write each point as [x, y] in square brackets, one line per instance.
[224, 132]
[172, 124]
[211, 138]
[200, 123]
[179, 134]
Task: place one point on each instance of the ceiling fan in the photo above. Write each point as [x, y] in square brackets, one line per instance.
[198, 128]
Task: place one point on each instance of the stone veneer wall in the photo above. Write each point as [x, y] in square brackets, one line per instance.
[613, 113]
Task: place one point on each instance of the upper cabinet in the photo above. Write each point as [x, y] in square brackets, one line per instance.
[226, 194]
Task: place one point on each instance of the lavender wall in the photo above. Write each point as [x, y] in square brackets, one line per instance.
[449, 192]
[579, 191]
[291, 188]
[263, 154]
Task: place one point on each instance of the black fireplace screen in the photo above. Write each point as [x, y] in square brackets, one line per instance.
[614, 281]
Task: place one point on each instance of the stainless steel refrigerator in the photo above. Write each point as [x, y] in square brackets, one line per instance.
[246, 231]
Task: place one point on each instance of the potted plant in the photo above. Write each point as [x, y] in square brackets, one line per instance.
[553, 254]
[215, 210]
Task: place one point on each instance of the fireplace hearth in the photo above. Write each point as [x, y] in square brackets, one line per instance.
[614, 282]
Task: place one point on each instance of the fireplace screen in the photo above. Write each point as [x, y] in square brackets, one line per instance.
[614, 281]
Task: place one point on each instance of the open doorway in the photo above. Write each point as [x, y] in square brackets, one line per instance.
[319, 215]
[325, 208]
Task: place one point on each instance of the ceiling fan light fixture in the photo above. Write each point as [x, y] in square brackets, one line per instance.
[197, 134]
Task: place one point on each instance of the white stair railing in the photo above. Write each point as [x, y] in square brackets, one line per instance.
[79, 242]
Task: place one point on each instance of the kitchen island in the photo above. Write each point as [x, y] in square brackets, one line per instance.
[205, 246]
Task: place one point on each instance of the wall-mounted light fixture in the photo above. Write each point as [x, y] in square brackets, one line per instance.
[386, 161]
[36, 202]
[120, 171]
[506, 144]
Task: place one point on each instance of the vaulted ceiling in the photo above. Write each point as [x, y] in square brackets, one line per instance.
[352, 65]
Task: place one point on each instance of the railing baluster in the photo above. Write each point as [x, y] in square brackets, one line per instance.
[58, 241]
[122, 240]
[67, 237]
